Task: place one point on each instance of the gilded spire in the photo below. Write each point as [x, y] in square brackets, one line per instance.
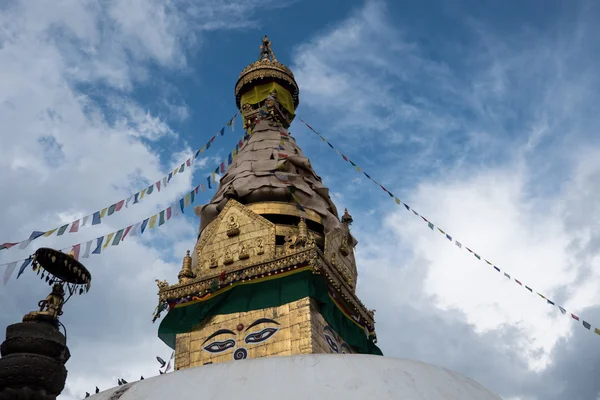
[266, 53]
[347, 218]
[186, 274]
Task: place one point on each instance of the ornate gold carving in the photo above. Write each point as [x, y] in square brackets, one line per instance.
[227, 257]
[276, 207]
[214, 261]
[216, 239]
[51, 305]
[344, 246]
[243, 252]
[161, 284]
[260, 246]
[233, 227]
[298, 239]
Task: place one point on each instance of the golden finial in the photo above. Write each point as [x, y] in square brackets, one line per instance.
[186, 274]
[347, 218]
[266, 53]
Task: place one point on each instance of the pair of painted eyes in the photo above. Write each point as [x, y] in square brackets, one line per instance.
[334, 346]
[251, 338]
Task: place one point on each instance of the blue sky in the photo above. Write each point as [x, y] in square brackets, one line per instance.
[480, 115]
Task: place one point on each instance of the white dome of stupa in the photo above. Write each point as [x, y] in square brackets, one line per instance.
[313, 376]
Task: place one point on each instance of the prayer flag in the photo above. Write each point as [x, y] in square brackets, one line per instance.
[98, 248]
[103, 212]
[74, 227]
[85, 220]
[108, 239]
[142, 193]
[152, 222]
[75, 250]
[88, 247]
[28, 261]
[161, 219]
[111, 209]
[8, 271]
[222, 131]
[126, 232]
[118, 237]
[168, 213]
[157, 184]
[144, 224]
[586, 325]
[222, 167]
[181, 205]
[96, 218]
[188, 162]
[62, 230]
[149, 190]
[575, 317]
[50, 232]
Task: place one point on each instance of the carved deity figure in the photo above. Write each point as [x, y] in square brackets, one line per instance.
[260, 246]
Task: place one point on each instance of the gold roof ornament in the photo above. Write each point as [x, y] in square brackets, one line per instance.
[266, 69]
[186, 274]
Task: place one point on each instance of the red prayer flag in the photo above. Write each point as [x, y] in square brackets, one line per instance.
[575, 317]
[196, 190]
[344, 157]
[75, 251]
[119, 205]
[126, 232]
[168, 213]
[518, 282]
[74, 227]
[241, 143]
[188, 162]
[157, 184]
[7, 245]
[222, 167]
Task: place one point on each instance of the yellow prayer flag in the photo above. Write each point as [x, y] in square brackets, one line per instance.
[152, 222]
[202, 149]
[108, 240]
[175, 171]
[142, 193]
[187, 200]
[50, 232]
[213, 178]
[397, 200]
[597, 331]
[358, 169]
[103, 212]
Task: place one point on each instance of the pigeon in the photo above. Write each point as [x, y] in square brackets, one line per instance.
[87, 395]
[161, 361]
[124, 381]
[97, 390]
[141, 378]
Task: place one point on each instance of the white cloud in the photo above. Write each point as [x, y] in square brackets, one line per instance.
[74, 140]
[498, 154]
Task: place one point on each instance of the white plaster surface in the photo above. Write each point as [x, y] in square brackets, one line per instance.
[314, 376]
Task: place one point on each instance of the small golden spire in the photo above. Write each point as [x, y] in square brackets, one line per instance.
[186, 274]
[266, 53]
[302, 232]
[347, 218]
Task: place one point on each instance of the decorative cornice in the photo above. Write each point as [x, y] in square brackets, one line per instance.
[312, 257]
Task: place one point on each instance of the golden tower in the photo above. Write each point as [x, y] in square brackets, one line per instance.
[273, 269]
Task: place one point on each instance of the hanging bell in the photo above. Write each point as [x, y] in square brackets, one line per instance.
[80, 291]
[47, 277]
[42, 276]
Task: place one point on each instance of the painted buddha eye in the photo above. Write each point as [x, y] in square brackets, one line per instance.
[218, 347]
[346, 349]
[332, 344]
[261, 336]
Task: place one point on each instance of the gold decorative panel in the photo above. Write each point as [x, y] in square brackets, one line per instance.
[236, 238]
[339, 253]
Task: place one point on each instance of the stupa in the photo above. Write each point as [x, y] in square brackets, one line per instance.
[265, 305]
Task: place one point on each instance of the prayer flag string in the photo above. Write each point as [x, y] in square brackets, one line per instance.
[450, 238]
[116, 237]
[97, 217]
